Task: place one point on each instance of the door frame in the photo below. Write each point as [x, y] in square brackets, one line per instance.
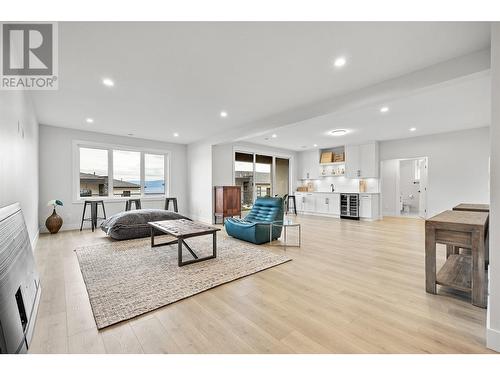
[398, 190]
[274, 155]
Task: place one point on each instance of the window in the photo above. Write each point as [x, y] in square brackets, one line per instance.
[154, 174]
[116, 172]
[126, 173]
[93, 172]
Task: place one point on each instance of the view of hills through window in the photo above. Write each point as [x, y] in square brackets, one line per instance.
[94, 177]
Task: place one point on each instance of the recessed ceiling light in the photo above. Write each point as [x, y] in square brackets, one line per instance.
[315, 145]
[176, 134]
[130, 134]
[89, 120]
[108, 82]
[384, 109]
[339, 62]
[338, 132]
[274, 135]
[223, 114]
[413, 129]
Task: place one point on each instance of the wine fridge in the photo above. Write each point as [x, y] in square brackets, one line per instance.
[349, 206]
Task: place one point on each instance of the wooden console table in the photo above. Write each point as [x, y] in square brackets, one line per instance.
[463, 229]
[474, 207]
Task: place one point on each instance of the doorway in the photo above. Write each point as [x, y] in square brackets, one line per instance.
[260, 175]
[404, 187]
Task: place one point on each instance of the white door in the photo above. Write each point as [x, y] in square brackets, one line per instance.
[368, 160]
[422, 199]
[352, 162]
[322, 202]
[365, 206]
[300, 199]
[309, 204]
[334, 204]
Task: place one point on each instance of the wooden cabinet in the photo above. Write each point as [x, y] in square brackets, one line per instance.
[227, 202]
[300, 199]
[352, 163]
[309, 165]
[362, 161]
[322, 203]
[327, 203]
[309, 202]
[306, 202]
[369, 206]
[334, 204]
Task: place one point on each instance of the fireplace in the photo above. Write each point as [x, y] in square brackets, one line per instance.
[19, 282]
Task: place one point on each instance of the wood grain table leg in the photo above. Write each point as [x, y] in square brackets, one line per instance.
[478, 274]
[430, 259]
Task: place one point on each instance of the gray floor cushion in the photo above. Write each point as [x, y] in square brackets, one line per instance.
[134, 224]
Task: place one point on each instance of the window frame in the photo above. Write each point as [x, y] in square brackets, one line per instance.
[76, 144]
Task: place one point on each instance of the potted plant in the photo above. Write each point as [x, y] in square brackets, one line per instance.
[54, 222]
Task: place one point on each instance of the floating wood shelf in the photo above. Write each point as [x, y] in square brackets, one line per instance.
[333, 163]
[456, 272]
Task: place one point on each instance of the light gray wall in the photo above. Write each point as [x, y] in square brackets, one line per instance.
[19, 156]
[458, 165]
[199, 163]
[389, 175]
[56, 164]
[493, 322]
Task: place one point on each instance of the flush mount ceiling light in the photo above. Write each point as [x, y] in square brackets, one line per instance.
[338, 132]
[274, 136]
[384, 109]
[223, 114]
[89, 120]
[108, 82]
[339, 62]
[413, 129]
[176, 134]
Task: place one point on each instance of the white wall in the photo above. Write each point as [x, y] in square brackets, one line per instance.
[389, 173]
[493, 324]
[199, 164]
[457, 169]
[19, 156]
[56, 164]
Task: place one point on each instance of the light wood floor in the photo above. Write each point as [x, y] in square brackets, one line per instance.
[353, 287]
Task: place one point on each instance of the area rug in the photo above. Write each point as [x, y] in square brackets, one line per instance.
[129, 278]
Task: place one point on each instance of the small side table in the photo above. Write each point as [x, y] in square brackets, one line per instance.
[285, 226]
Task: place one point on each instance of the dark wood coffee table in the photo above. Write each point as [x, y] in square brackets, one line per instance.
[182, 229]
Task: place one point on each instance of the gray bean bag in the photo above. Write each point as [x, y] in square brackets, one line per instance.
[134, 224]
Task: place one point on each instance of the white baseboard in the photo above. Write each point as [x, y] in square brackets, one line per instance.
[493, 339]
[34, 240]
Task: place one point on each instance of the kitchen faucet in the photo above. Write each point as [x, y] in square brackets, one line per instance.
[333, 187]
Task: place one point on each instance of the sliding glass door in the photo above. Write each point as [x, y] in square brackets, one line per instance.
[260, 176]
[243, 177]
[263, 175]
[282, 184]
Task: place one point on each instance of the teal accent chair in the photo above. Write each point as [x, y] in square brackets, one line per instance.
[255, 226]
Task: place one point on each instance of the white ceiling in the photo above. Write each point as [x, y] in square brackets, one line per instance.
[461, 104]
[177, 77]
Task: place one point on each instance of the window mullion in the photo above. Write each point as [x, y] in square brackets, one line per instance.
[143, 174]
[110, 173]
